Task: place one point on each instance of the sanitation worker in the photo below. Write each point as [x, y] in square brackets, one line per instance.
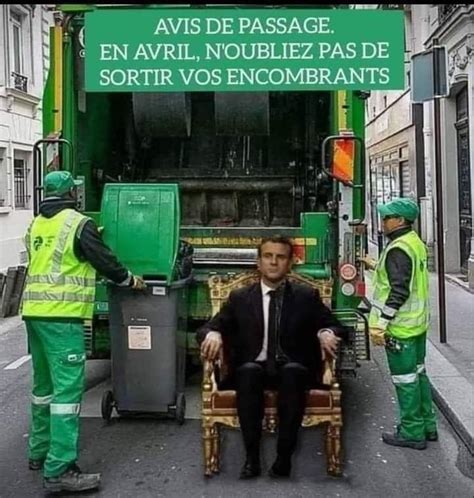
[65, 250]
[399, 320]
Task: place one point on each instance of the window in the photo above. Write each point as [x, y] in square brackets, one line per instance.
[20, 47]
[405, 178]
[386, 183]
[4, 201]
[17, 42]
[20, 176]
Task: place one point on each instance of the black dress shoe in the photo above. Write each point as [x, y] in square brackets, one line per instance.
[250, 469]
[281, 467]
[35, 464]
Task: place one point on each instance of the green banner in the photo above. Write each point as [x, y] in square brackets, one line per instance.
[232, 50]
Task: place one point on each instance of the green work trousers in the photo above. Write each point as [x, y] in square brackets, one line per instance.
[58, 357]
[407, 367]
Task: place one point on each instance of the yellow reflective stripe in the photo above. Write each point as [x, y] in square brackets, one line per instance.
[28, 242]
[61, 243]
[61, 280]
[57, 296]
[404, 379]
[414, 305]
[65, 408]
[387, 310]
[80, 227]
[41, 400]
[410, 322]
[420, 368]
[377, 304]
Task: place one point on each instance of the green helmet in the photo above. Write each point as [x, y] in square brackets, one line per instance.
[58, 183]
[401, 207]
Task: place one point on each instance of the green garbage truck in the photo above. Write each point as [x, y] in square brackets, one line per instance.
[248, 165]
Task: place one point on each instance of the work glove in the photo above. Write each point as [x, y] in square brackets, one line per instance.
[369, 262]
[377, 336]
[138, 283]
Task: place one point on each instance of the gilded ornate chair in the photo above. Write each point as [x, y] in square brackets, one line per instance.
[219, 406]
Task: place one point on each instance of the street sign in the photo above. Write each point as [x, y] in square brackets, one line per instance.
[428, 83]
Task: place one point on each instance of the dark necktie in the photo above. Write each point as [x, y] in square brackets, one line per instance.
[272, 334]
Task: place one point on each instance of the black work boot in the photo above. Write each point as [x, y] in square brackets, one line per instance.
[72, 480]
[35, 464]
[432, 436]
[397, 440]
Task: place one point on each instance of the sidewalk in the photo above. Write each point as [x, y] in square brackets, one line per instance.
[459, 348]
[450, 366]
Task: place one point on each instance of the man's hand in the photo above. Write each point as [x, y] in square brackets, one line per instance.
[138, 283]
[211, 345]
[329, 343]
[377, 336]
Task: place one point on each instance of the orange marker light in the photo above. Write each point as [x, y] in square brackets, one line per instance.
[343, 159]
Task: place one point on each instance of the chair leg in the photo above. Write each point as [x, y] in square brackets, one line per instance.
[207, 448]
[329, 450]
[216, 448]
[333, 450]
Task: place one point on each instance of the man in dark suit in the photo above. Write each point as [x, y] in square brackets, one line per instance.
[277, 333]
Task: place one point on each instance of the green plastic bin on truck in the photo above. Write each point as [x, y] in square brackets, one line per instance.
[141, 224]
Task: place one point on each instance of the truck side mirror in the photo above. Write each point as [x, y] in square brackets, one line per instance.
[342, 157]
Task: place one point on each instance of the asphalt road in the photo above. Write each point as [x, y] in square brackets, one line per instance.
[149, 458]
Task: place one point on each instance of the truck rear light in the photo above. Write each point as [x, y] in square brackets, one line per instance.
[348, 289]
[360, 288]
[299, 252]
[348, 271]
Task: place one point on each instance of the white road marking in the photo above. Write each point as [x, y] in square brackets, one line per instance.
[18, 363]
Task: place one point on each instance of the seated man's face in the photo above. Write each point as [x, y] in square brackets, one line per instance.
[274, 261]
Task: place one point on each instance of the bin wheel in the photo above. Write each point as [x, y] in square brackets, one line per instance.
[180, 408]
[107, 404]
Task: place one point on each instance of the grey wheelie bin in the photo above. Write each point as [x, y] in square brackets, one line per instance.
[147, 328]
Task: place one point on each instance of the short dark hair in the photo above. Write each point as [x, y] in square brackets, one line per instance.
[276, 239]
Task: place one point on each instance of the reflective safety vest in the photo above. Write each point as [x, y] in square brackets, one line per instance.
[58, 284]
[412, 319]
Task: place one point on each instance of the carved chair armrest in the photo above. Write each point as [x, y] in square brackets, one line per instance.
[208, 378]
[329, 373]
[214, 371]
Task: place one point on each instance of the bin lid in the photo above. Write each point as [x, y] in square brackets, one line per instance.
[141, 225]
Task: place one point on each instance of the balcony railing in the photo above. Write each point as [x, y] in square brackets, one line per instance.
[445, 11]
[20, 82]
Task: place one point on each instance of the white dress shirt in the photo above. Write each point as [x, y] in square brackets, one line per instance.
[266, 310]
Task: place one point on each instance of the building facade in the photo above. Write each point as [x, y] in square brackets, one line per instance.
[24, 55]
[400, 135]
